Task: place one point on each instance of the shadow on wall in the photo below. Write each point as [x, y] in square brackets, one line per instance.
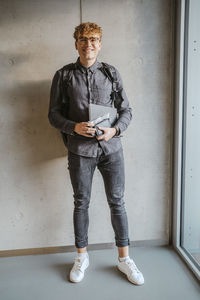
[26, 125]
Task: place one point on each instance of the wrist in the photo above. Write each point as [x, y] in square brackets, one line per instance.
[117, 130]
[114, 131]
[75, 129]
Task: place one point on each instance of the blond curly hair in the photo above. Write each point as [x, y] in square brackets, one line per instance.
[87, 28]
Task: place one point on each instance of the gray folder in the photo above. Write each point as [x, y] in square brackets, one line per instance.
[103, 116]
[97, 111]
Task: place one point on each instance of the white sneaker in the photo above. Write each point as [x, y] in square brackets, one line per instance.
[129, 268]
[79, 267]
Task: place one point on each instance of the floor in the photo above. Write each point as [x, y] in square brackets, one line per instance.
[196, 257]
[46, 277]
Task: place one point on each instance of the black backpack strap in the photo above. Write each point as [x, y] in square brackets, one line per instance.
[110, 72]
[67, 72]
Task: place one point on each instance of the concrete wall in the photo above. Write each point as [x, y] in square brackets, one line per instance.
[36, 194]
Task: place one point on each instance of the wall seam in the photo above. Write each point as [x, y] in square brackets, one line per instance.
[81, 10]
[172, 92]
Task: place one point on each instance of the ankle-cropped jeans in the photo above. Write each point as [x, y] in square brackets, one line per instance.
[81, 171]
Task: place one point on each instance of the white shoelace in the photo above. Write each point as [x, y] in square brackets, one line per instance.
[132, 265]
[78, 264]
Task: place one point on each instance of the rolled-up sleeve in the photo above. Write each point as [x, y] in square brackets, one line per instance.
[55, 113]
[122, 104]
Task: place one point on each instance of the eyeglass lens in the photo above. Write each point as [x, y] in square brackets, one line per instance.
[91, 39]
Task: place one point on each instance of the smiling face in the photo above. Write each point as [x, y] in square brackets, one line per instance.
[88, 46]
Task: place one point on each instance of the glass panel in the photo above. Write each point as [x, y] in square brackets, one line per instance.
[190, 229]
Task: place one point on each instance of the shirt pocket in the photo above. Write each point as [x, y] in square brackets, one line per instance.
[101, 92]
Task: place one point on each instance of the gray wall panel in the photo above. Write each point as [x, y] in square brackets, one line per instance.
[137, 38]
[36, 40]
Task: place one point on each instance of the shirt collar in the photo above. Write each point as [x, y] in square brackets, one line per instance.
[92, 68]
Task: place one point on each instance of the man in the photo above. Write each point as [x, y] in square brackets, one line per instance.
[73, 87]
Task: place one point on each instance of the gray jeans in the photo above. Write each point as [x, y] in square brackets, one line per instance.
[81, 171]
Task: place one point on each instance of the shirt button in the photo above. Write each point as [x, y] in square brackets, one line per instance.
[89, 89]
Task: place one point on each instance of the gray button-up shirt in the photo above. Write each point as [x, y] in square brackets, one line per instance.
[69, 101]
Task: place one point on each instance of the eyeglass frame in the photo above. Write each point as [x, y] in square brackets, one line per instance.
[86, 39]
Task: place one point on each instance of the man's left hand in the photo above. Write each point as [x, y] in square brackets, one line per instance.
[107, 135]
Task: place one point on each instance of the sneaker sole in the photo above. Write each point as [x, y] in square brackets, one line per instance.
[76, 281]
[132, 281]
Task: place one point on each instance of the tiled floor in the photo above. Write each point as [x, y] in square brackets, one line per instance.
[42, 277]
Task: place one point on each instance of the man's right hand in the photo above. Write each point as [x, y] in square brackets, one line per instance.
[85, 129]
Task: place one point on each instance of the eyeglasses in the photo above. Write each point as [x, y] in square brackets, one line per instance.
[92, 39]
